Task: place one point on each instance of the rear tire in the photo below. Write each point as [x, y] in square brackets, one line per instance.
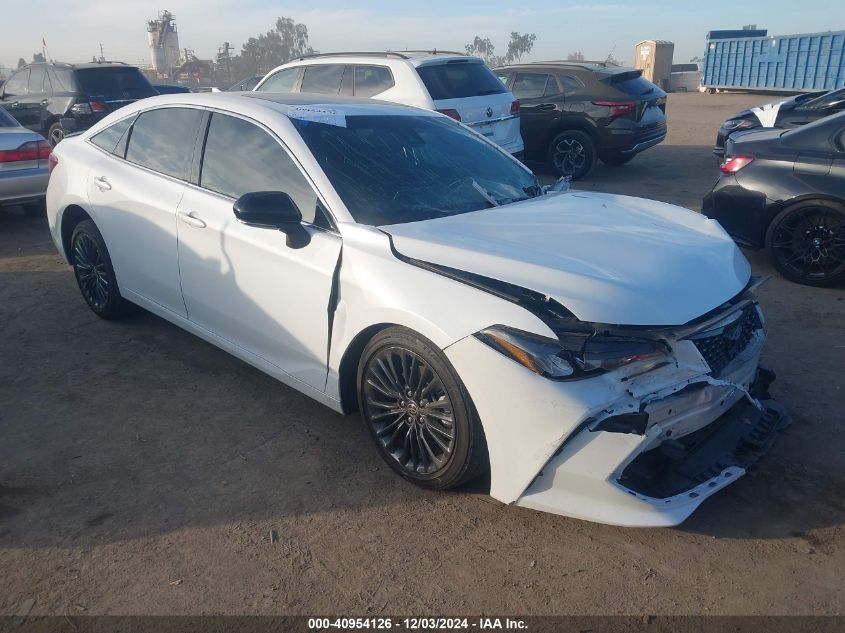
[418, 412]
[55, 134]
[572, 153]
[806, 242]
[616, 160]
[94, 272]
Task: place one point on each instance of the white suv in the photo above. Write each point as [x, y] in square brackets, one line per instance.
[456, 85]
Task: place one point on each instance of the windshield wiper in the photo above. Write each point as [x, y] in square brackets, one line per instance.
[484, 193]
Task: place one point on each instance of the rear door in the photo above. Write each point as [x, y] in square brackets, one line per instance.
[135, 201]
[470, 89]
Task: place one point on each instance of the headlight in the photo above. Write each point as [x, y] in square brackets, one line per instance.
[574, 356]
[732, 125]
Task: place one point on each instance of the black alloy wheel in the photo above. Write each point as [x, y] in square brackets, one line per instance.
[572, 153]
[93, 270]
[418, 412]
[806, 243]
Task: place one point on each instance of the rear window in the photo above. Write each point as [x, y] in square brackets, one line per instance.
[456, 80]
[631, 82]
[114, 83]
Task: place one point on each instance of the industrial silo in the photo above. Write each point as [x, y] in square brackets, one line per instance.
[164, 43]
[654, 58]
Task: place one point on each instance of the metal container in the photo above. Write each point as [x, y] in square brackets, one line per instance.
[654, 58]
[753, 60]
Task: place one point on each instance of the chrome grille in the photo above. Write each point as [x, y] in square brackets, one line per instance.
[730, 340]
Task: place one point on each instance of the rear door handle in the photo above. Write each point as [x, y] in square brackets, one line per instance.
[44, 102]
[192, 219]
[102, 183]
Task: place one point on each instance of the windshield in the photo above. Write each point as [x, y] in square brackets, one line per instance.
[833, 99]
[401, 168]
[114, 83]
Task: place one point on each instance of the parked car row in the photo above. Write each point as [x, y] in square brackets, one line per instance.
[782, 185]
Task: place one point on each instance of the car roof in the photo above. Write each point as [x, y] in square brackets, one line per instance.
[600, 67]
[414, 57]
[246, 102]
[83, 65]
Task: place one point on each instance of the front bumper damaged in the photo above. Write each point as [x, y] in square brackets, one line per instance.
[638, 450]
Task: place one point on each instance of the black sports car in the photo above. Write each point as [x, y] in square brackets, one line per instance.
[785, 191]
[792, 112]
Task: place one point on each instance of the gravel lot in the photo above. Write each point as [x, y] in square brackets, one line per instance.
[143, 471]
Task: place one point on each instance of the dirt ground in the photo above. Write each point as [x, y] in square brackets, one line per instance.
[143, 471]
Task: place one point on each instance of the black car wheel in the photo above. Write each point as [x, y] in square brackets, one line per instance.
[572, 153]
[94, 273]
[418, 412]
[806, 242]
[615, 159]
[55, 134]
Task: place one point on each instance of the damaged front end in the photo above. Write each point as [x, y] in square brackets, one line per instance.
[626, 425]
[681, 431]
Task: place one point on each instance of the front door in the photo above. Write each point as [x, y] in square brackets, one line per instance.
[244, 283]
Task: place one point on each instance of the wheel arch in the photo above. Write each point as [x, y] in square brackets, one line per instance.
[348, 368]
[776, 208]
[71, 217]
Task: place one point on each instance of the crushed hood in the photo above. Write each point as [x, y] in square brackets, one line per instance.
[607, 258]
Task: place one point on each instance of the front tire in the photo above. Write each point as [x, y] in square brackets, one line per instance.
[806, 242]
[572, 153]
[418, 412]
[94, 272]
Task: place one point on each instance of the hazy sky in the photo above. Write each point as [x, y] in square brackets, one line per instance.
[74, 29]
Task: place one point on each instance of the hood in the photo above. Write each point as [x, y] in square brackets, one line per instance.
[606, 258]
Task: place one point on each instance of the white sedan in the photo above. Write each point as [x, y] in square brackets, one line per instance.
[598, 354]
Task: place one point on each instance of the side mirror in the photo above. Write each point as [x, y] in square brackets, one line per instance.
[273, 210]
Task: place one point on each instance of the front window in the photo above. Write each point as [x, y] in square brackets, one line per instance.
[405, 168]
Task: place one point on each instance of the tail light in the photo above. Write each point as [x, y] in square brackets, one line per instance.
[734, 164]
[32, 150]
[618, 108]
[452, 114]
[91, 107]
[515, 107]
[52, 161]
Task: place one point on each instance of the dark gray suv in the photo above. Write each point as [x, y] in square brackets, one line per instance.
[55, 99]
[573, 113]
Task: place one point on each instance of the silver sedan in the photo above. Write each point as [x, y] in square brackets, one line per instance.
[24, 165]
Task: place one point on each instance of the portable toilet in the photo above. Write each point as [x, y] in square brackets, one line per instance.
[654, 58]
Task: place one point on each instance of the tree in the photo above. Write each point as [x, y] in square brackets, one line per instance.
[520, 44]
[38, 57]
[261, 54]
[21, 63]
[577, 56]
[483, 47]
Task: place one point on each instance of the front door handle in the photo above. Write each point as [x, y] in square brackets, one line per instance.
[192, 219]
[102, 183]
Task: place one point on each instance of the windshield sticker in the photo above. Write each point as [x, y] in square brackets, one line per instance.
[316, 114]
[768, 114]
